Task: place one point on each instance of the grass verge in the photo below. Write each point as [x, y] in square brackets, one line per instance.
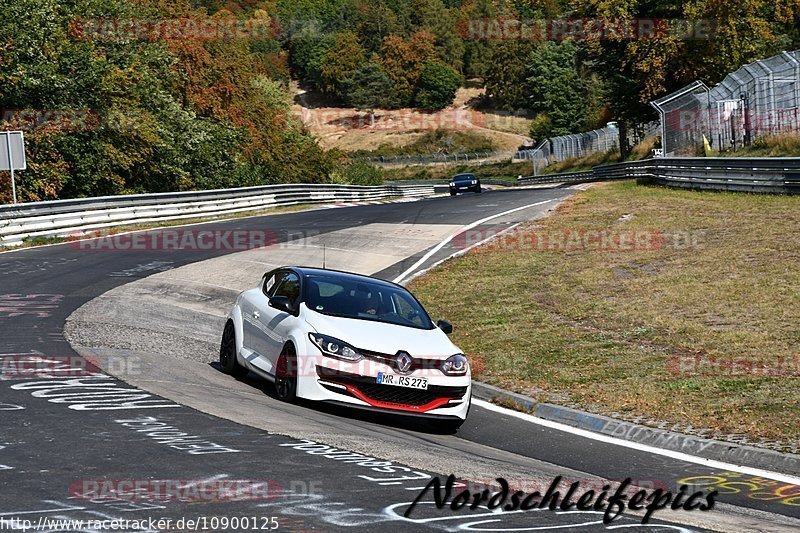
[642, 333]
[783, 145]
[577, 164]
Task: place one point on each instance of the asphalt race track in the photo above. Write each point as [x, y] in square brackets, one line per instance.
[60, 442]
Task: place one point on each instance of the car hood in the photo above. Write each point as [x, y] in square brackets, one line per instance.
[382, 337]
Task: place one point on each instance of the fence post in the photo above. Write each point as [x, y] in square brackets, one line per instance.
[796, 64]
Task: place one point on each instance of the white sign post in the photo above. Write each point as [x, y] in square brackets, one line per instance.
[12, 155]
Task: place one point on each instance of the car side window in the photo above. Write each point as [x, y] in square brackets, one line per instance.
[404, 308]
[289, 286]
[271, 283]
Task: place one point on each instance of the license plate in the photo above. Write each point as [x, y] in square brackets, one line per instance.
[402, 381]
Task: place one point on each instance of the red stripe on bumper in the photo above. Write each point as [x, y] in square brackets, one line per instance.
[438, 402]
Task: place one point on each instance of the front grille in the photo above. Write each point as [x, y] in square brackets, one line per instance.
[390, 360]
[389, 394]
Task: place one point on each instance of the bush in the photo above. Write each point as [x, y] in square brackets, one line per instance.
[362, 173]
[541, 127]
[432, 142]
[437, 86]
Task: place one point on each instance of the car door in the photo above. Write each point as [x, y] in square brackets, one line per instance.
[274, 325]
[253, 304]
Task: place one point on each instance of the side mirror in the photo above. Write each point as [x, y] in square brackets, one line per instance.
[281, 303]
[445, 326]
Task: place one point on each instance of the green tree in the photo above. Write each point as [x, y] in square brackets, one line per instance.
[638, 71]
[434, 16]
[375, 21]
[505, 74]
[403, 60]
[170, 114]
[370, 88]
[341, 59]
[476, 51]
[555, 88]
[437, 86]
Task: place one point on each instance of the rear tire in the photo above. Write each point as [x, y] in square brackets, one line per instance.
[227, 353]
[286, 375]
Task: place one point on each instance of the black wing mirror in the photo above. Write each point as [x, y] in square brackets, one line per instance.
[281, 303]
[445, 326]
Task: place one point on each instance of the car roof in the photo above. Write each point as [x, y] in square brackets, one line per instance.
[345, 276]
[467, 175]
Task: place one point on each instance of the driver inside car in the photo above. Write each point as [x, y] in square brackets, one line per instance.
[371, 305]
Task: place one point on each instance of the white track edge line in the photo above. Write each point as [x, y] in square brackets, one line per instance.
[442, 244]
[785, 478]
[460, 253]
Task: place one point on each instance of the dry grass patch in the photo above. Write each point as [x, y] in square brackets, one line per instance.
[603, 329]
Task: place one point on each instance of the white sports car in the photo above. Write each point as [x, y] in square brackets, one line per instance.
[349, 339]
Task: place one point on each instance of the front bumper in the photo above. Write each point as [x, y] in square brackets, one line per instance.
[355, 384]
[464, 188]
[366, 389]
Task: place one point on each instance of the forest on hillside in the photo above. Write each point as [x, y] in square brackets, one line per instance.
[122, 96]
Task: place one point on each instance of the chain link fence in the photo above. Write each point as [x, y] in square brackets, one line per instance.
[761, 98]
[571, 146]
[548, 151]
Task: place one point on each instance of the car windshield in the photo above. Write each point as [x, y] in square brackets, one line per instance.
[464, 177]
[361, 299]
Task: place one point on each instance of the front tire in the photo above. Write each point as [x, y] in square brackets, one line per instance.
[227, 353]
[286, 375]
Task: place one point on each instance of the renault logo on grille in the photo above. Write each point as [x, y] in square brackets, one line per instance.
[403, 362]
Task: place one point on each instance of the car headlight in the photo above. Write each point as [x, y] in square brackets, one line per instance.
[455, 365]
[452, 183]
[334, 347]
[474, 182]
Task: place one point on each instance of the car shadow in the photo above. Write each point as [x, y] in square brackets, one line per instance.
[388, 420]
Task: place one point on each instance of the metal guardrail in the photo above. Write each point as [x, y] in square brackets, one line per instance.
[564, 177]
[777, 175]
[446, 182]
[76, 217]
